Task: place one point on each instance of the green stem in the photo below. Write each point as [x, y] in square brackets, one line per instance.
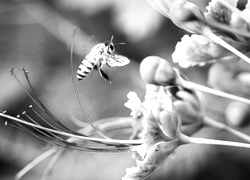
[211, 122]
[203, 141]
[205, 89]
[209, 34]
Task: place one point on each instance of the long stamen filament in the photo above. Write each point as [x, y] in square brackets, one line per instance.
[36, 161]
[108, 141]
[52, 162]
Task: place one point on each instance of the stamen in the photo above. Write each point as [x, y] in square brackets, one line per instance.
[113, 142]
[47, 122]
[6, 122]
[78, 122]
[52, 162]
[46, 138]
[36, 161]
[37, 101]
[47, 134]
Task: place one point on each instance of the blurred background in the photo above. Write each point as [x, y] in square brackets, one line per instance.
[37, 35]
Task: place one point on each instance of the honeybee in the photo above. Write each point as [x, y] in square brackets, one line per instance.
[100, 54]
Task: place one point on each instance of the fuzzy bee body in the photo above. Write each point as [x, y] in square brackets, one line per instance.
[100, 54]
[87, 64]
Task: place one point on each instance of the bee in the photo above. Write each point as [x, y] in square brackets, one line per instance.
[100, 54]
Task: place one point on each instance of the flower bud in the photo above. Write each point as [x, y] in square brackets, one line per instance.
[190, 107]
[237, 114]
[157, 71]
[187, 15]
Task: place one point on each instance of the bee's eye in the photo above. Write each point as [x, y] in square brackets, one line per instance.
[112, 47]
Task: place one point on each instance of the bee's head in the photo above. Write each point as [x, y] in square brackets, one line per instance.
[110, 45]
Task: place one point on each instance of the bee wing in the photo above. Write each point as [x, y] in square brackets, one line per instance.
[116, 60]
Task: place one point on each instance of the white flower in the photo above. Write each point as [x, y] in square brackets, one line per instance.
[164, 100]
[155, 157]
[134, 103]
[197, 50]
[161, 128]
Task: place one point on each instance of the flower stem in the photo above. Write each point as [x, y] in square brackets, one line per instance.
[209, 34]
[205, 89]
[227, 28]
[211, 122]
[203, 141]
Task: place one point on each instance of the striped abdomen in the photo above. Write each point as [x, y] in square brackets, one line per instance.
[85, 67]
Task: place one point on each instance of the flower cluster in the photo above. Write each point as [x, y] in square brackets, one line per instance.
[218, 28]
[220, 35]
[161, 127]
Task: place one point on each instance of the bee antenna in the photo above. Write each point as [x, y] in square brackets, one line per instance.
[112, 37]
[120, 43]
[111, 40]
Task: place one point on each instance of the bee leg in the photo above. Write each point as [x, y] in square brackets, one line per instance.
[104, 75]
[95, 67]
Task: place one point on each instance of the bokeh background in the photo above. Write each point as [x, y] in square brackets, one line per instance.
[37, 35]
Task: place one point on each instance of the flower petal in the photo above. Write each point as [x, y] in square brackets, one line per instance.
[155, 157]
[219, 12]
[152, 132]
[133, 103]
